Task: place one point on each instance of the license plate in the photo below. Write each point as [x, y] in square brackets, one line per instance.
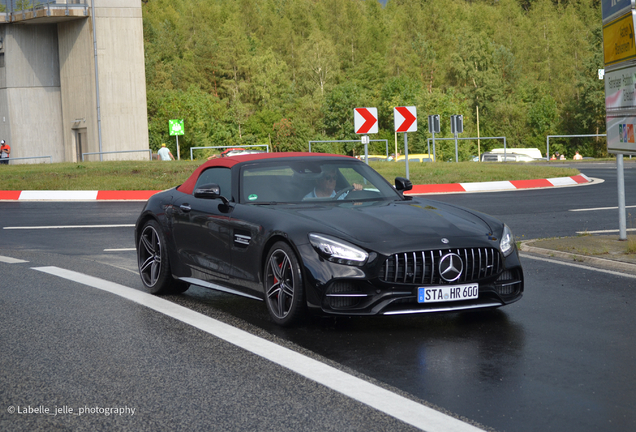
[447, 293]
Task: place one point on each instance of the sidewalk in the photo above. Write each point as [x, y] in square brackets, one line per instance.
[602, 251]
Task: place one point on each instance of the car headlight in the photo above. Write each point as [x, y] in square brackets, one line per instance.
[338, 251]
[507, 241]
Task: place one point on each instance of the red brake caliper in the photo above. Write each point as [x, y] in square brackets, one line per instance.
[280, 266]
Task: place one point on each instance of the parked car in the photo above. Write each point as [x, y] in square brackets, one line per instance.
[264, 226]
[239, 151]
[423, 157]
[373, 158]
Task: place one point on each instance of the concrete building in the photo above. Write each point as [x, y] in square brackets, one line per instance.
[52, 100]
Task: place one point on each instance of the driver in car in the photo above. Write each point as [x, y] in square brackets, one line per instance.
[326, 186]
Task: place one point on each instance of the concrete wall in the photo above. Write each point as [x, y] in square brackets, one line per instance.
[48, 91]
[77, 76]
[30, 104]
[122, 76]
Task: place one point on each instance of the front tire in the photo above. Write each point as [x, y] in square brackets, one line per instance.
[282, 279]
[153, 263]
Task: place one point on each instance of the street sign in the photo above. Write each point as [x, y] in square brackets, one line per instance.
[433, 123]
[620, 134]
[405, 119]
[614, 8]
[457, 124]
[620, 89]
[618, 40]
[365, 120]
[176, 127]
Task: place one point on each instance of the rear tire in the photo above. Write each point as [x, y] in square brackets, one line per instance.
[153, 262]
[283, 284]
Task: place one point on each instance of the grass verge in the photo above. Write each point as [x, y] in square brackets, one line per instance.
[158, 175]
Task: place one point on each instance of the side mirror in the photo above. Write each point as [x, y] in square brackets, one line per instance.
[402, 184]
[210, 191]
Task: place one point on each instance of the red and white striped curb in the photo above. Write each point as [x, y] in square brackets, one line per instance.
[76, 195]
[499, 185]
[417, 190]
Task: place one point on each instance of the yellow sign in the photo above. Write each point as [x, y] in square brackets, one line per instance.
[618, 40]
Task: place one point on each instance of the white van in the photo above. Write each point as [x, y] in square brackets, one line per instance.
[509, 157]
[534, 153]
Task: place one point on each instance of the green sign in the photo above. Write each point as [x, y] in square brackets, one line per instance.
[176, 127]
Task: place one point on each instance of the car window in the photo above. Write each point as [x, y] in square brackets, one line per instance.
[300, 181]
[219, 176]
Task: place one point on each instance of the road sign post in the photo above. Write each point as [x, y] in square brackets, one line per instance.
[457, 127]
[176, 128]
[365, 140]
[619, 52]
[405, 120]
[433, 128]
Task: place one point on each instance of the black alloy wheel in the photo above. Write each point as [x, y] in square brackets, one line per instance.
[284, 293]
[154, 266]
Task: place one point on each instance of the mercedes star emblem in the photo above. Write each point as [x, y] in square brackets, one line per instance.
[451, 267]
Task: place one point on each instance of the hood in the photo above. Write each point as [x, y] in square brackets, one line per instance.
[401, 225]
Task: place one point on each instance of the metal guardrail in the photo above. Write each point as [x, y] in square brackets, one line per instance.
[16, 10]
[122, 151]
[386, 142]
[234, 146]
[30, 157]
[465, 138]
[14, 6]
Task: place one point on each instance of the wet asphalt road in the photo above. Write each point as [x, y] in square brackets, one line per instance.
[560, 359]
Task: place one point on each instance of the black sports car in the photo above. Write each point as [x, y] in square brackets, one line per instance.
[326, 233]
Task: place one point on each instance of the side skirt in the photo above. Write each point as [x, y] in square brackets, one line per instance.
[204, 284]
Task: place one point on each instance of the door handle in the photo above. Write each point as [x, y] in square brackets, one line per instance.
[185, 207]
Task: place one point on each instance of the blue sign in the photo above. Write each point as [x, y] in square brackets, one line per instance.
[615, 8]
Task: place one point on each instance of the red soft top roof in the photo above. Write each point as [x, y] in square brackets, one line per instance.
[228, 162]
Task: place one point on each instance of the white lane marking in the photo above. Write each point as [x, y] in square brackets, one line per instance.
[615, 273]
[120, 250]
[604, 231]
[599, 208]
[397, 406]
[10, 260]
[69, 226]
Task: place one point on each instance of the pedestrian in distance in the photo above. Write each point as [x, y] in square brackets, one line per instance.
[5, 151]
[577, 156]
[164, 153]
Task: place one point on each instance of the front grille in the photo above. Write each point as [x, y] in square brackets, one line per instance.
[422, 267]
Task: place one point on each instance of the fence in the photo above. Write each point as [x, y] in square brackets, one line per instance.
[113, 152]
[386, 142]
[14, 7]
[30, 157]
[469, 138]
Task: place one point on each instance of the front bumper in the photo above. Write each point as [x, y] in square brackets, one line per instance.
[336, 289]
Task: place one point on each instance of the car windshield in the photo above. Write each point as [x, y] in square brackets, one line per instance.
[312, 180]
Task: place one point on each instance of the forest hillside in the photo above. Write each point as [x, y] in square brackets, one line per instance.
[284, 72]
